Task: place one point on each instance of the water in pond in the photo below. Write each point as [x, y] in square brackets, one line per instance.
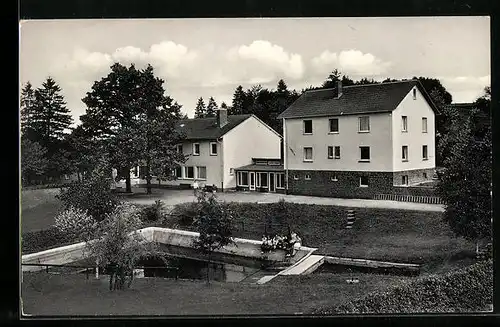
[190, 264]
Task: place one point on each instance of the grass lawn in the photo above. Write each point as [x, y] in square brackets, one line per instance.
[379, 234]
[45, 294]
[38, 209]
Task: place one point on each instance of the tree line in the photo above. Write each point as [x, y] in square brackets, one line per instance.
[129, 121]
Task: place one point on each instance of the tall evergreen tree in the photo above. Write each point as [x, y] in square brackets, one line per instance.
[200, 111]
[27, 111]
[211, 107]
[223, 105]
[238, 101]
[50, 118]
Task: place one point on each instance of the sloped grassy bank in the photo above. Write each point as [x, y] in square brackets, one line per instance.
[466, 290]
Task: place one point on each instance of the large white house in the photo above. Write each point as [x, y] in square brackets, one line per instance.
[358, 141]
[218, 145]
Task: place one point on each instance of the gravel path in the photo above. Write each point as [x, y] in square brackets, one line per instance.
[173, 197]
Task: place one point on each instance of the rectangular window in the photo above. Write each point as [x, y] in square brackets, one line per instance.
[213, 148]
[337, 152]
[424, 124]
[201, 172]
[280, 180]
[242, 178]
[308, 154]
[404, 152]
[334, 125]
[364, 124]
[178, 172]
[404, 121]
[414, 94]
[330, 152]
[307, 177]
[179, 148]
[196, 149]
[424, 152]
[189, 172]
[404, 180]
[231, 171]
[364, 153]
[262, 180]
[363, 181]
[308, 126]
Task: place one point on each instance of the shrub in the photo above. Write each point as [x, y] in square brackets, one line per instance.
[32, 242]
[93, 194]
[185, 213]
[153, 212]
[76, 223]
[466, 290]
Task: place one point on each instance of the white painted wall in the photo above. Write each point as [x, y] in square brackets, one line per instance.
[213, 164]
[414, 138]
[250, 139]
[349, 139]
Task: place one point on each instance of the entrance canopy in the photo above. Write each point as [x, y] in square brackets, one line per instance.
[265, 175]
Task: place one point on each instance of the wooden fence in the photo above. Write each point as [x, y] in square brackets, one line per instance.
[409, 198]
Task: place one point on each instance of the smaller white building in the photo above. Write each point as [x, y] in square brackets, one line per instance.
[216, 146]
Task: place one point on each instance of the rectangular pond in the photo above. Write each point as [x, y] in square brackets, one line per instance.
[187, 263]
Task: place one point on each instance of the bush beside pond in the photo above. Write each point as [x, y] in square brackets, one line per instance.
[466, 290]
[32, 242]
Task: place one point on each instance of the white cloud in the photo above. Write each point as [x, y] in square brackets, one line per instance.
[267, 61]
[350, 62]
[465, 88]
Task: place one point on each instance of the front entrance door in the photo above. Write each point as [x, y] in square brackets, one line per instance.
[272, 186]
[252, 181]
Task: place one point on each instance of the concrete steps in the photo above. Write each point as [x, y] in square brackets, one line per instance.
[306, 266]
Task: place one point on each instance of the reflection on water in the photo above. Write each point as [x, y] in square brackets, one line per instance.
[196, 269]
[190, 264]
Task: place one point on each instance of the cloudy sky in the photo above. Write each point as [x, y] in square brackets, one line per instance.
[211, 57]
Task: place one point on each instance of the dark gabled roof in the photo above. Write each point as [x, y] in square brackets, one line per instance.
[207, 129]
[356, 99]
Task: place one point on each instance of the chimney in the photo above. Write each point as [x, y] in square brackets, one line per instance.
[221, 117]
[339, 89]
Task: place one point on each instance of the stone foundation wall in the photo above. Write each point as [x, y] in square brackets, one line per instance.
[414, 176]
[346, 185]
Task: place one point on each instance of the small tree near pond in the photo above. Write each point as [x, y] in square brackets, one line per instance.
[114, 242]
[214, 223]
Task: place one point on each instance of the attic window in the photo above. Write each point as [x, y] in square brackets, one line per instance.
[414, 94]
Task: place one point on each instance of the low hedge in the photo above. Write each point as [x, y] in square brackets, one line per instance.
[45, 186]
[43, 240]
[466, 290]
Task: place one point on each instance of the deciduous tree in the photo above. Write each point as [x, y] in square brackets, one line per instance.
[465, 185]
[214, 222]
[33, 160]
